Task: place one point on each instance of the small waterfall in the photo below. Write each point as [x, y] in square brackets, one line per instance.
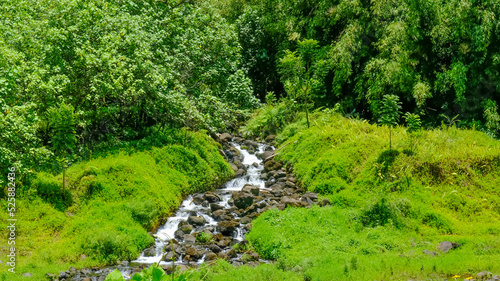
[188, 208]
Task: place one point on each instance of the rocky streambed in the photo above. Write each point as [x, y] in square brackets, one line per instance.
[208, 225]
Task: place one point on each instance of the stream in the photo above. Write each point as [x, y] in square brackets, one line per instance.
[202, 212]
[189, 208]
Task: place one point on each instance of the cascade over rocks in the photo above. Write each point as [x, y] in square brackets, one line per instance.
[219, 219]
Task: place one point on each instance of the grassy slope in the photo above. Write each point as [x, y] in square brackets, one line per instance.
[114, 201]
[384, 215]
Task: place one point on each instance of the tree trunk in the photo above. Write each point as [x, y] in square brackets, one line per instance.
[390, 138]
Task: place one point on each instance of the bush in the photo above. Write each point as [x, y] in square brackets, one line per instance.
[203, 237]
[381, 213]
[438, 221]
[50, 190]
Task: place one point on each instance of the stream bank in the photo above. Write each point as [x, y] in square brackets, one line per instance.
[211, 225]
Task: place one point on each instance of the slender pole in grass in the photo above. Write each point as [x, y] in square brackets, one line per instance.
[389, 113]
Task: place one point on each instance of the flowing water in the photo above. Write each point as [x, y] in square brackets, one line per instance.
[166, 232]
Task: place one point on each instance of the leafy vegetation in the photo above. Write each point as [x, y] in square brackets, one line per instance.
[388, 206]
[110, 203]
[437, 57]
[105, 108]
[124, 67]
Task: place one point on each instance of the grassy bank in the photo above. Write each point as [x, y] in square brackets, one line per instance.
[387, 206]
[109, 203]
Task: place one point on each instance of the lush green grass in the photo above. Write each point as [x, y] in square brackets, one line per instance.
[223, 271]
[109, 204]
[388, 206]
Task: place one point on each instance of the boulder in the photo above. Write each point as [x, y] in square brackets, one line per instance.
[445, 246]
[186, 228]
[222, 255]
[198, 199]
[179, 234]
[150, 252]
[211, 197]
[193, 253]
[214, 248]
[217, 215]
[196, 221]
[27, 274]
[307, 200]
[290, 184]
[251, 189]
[168, 257]
[280, 174]
[234, 167]
[272, 165]
[245, 220]
[277, 192]
[311, 195]
[242, 200]
[189, 238]
[227, 227]
[270, 181]
[214, 207]
[210, 256]
[225, 137]
[278, 185]
[266, 154]
[231, 253]
[289, 201]
[250, 143]
[223, 243]
[325, 202]
[239, 173]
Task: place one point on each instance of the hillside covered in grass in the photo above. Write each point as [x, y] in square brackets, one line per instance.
[110, 203]
[391, 209]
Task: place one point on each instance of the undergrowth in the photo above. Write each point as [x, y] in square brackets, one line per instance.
[388, 206]
[109, 204]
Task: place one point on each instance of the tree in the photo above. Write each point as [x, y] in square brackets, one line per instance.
[20, 147]
[62, 121]
[302, 73]
[414, 125]
[389, 114]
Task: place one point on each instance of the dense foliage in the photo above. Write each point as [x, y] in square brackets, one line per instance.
[437, 57]
[110, 203]
[123, 66]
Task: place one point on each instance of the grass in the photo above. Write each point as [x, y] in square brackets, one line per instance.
[388, 206]
[109, 205]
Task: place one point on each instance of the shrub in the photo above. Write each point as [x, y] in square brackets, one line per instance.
[203, 237]
[50, 191]
[438, 221]
[381, 213]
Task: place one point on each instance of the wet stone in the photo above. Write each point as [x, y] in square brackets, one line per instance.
[196, 221]
[186, 229]
[214, 207]
[189, 238]
[210, 256]
[227, 227]
[150, 252]
[211, 197]
[214, 248]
